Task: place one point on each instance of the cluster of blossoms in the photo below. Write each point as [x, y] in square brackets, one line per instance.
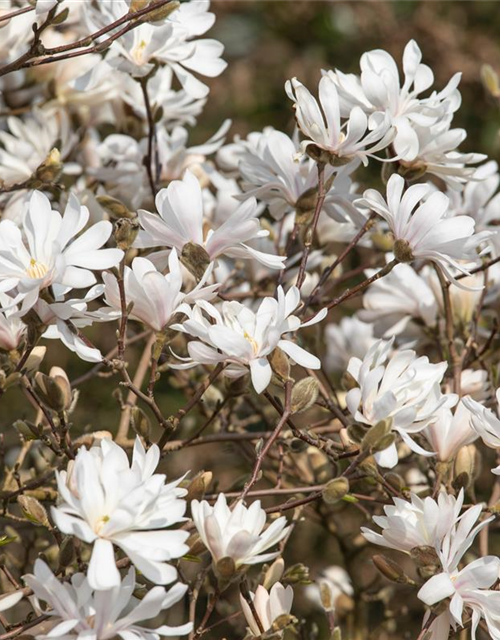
[213, 256]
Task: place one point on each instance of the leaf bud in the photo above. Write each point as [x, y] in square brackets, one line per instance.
[125, 232]
[335, 490]
[33, 510]
[304, 394]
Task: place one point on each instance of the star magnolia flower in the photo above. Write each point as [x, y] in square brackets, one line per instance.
[51, 256]
[181, 222]
[268, 605]
[485, 423]
[238, 533]
[156, 297]
[338, 582]
[78, 611]
[272, 173]
[425, 233]
[244, 338]
[449, 432]
[12, 329]
[349, 338]
[106, 501]
[429, 523]
[403, 388]
[469, 590]
[393, 302]
[323, 127]
[378, 92]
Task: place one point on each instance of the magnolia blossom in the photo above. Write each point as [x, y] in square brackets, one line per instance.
[350, 338]
[323, 127]
[425, 233]
[79, 611]
[485, 423]
[429, 523]
[402, 388]
[268, 606]
[378, 91]
[49, 255]
[243, 338]
[393, 304]
[181, 222]
[156, 297]
[469, 591]
[450, 431]
[336, 580]
[237, 533]
[12, 328]
[105, 501]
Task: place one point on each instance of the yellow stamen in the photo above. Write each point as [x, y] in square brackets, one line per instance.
[36, 269]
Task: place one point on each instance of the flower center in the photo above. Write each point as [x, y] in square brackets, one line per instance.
[138, 52]
[36, 269]
[100, 524]
[255, 346]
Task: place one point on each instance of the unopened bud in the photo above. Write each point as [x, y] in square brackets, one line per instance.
[26, 430]
[403, 251]
[304, 394]
[141, 423]
[490, 80]
[60, 377]
[465, 462]
[326, 596]
[391, 570]
[356, 433]
[296, 574]
[395, 480]
[51, 167]
[114, 207]
[125, 232]
[195, 258]
[33, 510]
[35, 359]
[426, 560]
[50, 393]
[282, 622]
[376, 436]
[198, 485]
[163, 12]
[335, 490]
[280, 364]
[274, 573]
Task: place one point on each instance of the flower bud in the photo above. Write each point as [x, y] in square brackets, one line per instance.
[33, 510]
[125, 232]
[35, 359]
[225, 568]
[304, 394]
[356, 433]
[26, 430]
[391, 570]
[198, 485]
[296, 574]
[280, 365]
[375, 438]
[163, 12]
[114, 208]
[61, 378]
[195, 258]
[50, 392]
[465, 462]
[490, 80]
[141, 423]
[326, 596]
[335, 490]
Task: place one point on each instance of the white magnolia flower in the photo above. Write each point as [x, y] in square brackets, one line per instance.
[49, 254]
[12, 328]
[400, 387]
[27, 142]
[174, 42]
[181, 221]
[272, 173]
[107, 501]
[425, 233]
[78, 611]
[450, 431]
[324, 128]
[399, 299]
[268, 606]
[438, 155]
[378, 91]
[429, 523]
[244, 338]
[484, 421]
[469, 592]
[237, 533]
[156, 297]
[336, 579]
[350, 338]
